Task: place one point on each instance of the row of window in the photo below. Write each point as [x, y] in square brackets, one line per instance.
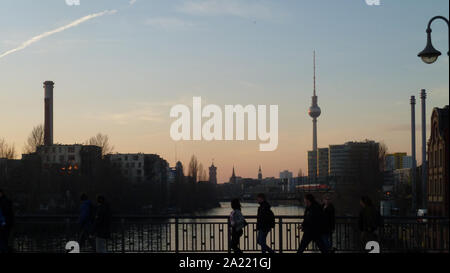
[127, 165]
[131, 157]
[126, 172]
[436, 187]
[436, 158]
[62, 158]
[70, 149]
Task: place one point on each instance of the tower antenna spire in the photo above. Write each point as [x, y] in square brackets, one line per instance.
[314, 65]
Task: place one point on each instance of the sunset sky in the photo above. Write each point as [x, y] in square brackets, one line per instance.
[120, 71]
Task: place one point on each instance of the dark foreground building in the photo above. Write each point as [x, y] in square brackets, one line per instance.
[438, 167]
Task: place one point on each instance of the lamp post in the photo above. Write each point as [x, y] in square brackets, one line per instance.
[430, 55]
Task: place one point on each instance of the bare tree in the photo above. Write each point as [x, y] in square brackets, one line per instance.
[35, 139]
[7, 151]
[202, 173]
[101, 141]
[382, 152]
[193, 168]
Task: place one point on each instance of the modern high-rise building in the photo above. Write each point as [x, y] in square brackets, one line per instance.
[352, 158]
[339, 160]
[397, 161]
[314, 112]
[323, 162]
[312, 165]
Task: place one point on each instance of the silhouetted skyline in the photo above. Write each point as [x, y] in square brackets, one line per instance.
[120, 74]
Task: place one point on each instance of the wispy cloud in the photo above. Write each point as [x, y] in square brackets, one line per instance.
[169, 23]
[126, 117]
[132, 2]
[60, 29]
[246, 9]
[405, 127]
[155, 112]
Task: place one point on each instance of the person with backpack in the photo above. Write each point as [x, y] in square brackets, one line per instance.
[265, 222]
[86, 220]
[369, 221]
[237, 224]
[313, 225]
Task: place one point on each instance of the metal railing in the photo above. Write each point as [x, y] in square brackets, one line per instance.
[184, 234]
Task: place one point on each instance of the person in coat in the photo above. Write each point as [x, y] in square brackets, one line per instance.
[313, 226]
[102, 225]
[265, 222]
[237, 224]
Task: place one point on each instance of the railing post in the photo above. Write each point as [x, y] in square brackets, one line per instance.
[228, 236]
[68, 230]
[122, 221]
[280, 233]
[176, 235]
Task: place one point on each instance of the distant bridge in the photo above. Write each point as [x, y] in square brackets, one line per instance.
[281, 196]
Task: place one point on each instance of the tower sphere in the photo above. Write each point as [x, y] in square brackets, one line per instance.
[314, 111]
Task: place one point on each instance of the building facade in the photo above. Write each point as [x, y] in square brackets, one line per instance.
[398, 161]
[141, 168]
[438, 167]
[323, 162]
[287, 180]
[69, 157]
[351, 158]
[312, 165]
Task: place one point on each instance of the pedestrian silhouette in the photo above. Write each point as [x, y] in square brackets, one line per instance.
[369, 221]
[313, 226]
[330, 222]
[102, 225]
[86, 221]
[237, 224]
[265, 223]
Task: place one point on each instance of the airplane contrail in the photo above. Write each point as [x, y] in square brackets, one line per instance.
[49, 33]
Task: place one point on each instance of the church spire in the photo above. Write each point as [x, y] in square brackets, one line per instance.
[233, 176]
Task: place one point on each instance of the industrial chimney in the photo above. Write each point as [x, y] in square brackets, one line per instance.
[48, 130]
[413, 153]
[423, 96]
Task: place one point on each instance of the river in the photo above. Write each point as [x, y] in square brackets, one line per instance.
[251, 209]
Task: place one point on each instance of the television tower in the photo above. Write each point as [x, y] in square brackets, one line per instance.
[314, 110]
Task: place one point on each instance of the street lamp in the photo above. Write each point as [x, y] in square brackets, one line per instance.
[429, 55]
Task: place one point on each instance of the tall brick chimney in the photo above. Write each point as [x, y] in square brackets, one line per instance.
[48, 126]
